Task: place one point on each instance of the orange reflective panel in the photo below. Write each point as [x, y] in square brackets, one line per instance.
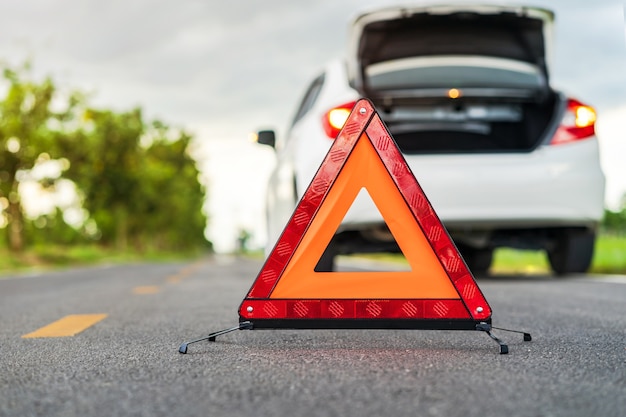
[365, 160]
[426, 278]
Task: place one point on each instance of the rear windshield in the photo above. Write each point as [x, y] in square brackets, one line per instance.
[453, 72]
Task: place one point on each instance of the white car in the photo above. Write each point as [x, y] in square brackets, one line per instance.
[505, 160]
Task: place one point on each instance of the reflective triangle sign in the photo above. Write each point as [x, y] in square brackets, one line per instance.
[438, 292]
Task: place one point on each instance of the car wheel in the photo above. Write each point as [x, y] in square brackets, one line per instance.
[572, 252]
[327, 261]
[477, 260]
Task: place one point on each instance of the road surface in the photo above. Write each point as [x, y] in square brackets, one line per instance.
[128, 321]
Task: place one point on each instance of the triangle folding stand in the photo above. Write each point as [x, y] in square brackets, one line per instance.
[437, 293]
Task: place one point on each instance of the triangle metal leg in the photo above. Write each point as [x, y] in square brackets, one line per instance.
[244, 325]
[504, 348]
[527, 336]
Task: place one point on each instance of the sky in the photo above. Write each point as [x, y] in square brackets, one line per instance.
[224, 69]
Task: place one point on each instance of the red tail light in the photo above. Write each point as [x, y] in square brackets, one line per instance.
[578, 123]
[335, 118]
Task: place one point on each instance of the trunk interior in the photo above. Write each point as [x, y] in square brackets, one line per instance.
[442, 126]
[459, 80]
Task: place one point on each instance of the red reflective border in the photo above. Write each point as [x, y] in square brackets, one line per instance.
[364, 119]
[429, 222]
[353, 309]
[311, 201]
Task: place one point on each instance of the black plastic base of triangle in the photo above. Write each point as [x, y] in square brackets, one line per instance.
[398, 324]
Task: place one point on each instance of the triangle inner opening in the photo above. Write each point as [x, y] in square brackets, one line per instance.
[370, 249]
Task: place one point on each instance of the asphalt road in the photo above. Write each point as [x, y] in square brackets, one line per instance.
[127, 364]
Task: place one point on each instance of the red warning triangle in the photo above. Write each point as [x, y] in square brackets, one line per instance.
[438, 292]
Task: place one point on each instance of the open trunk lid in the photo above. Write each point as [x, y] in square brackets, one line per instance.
[419, 51]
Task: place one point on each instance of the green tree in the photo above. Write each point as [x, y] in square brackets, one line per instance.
[51, 228]
[138, 181]
[171, 196]
[615, 221]
[105, 165]
[29, 128]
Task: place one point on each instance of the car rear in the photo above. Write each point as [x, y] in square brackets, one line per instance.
[505, 159]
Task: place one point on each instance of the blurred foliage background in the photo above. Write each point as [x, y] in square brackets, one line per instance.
[73, 175]
[84, 184]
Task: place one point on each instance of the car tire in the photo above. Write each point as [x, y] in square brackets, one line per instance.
[572, 252]
[477, 260]
[327, 260]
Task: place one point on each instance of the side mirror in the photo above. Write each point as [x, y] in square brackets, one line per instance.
[266, 137]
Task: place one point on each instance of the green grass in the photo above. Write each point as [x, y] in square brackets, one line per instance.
[609, 258]
[512, 261]
[54, 257]
[610, 255]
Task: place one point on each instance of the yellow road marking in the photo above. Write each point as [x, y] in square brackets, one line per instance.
[174, 279]
[148, 289]
[184, 272]
[67, 326]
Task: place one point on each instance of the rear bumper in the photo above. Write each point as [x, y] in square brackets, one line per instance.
[554, 186]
